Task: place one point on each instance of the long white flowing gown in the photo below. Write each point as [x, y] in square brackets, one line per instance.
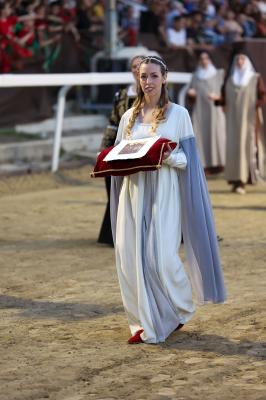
[155, 288]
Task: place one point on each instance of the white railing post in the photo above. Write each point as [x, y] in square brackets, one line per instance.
[61, 101]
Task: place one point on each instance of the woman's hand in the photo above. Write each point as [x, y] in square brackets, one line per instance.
[213, 96]
[168, 152]
[192, 92]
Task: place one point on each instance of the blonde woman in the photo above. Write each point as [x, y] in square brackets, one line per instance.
[147, 209]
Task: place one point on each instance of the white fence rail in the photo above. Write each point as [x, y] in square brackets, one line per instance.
[66, 81]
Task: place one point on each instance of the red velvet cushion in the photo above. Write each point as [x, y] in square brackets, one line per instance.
[151, 161]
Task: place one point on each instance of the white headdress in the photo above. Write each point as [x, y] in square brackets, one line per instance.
[242, 76]
[206, 73]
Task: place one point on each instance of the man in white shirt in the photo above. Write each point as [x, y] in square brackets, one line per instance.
[177, 35]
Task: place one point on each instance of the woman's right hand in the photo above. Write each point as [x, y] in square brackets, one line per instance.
[168, 152]
[213, 96]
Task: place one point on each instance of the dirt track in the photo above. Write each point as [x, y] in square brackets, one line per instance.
[63, 332]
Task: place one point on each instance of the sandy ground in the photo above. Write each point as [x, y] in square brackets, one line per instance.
[63, 331]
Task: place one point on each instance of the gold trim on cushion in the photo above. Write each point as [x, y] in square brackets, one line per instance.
[157, 166]
[125, 169]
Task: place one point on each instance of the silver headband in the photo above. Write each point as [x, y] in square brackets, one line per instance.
[155, 59]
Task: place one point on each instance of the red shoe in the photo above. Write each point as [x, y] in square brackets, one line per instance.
[136, 338]
[179, 327]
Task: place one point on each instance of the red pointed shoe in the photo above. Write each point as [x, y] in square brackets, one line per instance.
[180, 326]
[136, 338]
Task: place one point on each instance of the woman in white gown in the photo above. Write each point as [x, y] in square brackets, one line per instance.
[147, 214]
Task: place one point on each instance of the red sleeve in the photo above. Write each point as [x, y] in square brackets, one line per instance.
[13, 19]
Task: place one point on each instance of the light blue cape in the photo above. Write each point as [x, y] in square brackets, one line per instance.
[198, 229]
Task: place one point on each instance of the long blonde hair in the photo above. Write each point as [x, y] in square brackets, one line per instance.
[159, 115]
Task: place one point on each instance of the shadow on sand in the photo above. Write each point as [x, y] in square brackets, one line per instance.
[233, 208]
[49, 244]
[59, 310]
[212, 343]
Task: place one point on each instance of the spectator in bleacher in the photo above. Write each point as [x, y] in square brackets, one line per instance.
[49, 44]
[12, 49]
[194, 28]
[49, 34]
[40, 16]
[86, 19]
[128, 20]
[261, 6]
[220, 18]
[175, 9]
[59, 21]
[153, 20]
[84, 22]
[208, 120]
[209, 33]
[22, 7]
[98, 12]
[250, 9]
[190, 5]
[248, 24]
[68, 11]
[177, 34]
[31, 5]
[26, 32]
[51, 24]
[18, 7]
[207, 8]
[129, 27]
[137, 5]
[260, 26]
[237, 6]
[232, 29]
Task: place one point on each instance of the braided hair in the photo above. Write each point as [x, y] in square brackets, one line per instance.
[159, 114]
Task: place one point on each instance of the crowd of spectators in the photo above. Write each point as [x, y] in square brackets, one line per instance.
[204, 22]
[36, 28]
[30, 28]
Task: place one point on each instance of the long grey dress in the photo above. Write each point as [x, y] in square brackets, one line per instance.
[244, 151]
[209, 121]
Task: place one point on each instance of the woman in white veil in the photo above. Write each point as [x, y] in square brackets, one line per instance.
[208, 120]
[243, 94]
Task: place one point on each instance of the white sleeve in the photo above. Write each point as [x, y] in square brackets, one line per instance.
[186, 128]
[177, 159]
[170, 38]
